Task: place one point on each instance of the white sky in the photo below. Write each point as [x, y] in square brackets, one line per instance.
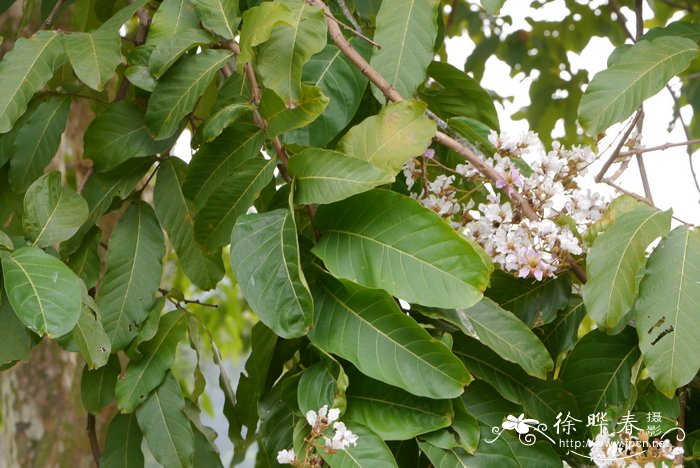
[668, 171]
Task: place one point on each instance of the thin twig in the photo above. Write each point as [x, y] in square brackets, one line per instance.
[616, 154]
[354, 31]
[348, 15]
[440, 137]
[49, 19]
[640, 198]
[688, 135]
[150, 177]
[639, 17]
[166, 293]
[663, 147]
[92, 437]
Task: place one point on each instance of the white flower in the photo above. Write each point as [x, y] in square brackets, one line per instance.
[520, 424]
[311, 417]
[285, 457]
[333, 415]
[342, 438]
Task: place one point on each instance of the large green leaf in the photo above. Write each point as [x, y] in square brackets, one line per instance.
[97, 386]
[614, 261]
[90, 336]
[218, 160]
[24, 71]
[325, 176]
[165, 426]
[176, 215]
[219, 16]
[265, 260]
[393, 413]
[44, 293]
[258, 23]
[382, 239]
[598, 371]
[542, 399]
[100, 190]
[52, 213]
[370, 450]
[561, 334]
[168, 51]
[123, 443]
[406, 30]
[534, 302]
[170, 19]
[37, 140]
[343, 83]
[667, 310]
[94, 56]
[290, 46]
[365, 326]
[223, 118]
[134, 257]
[281, 117]
[509, 337]
[458, 95]
[85, 261]
[14, 336]
[232, 199]
[637, 74]
[317, 387]
[390, 138]
[157, 355]
[176, 93]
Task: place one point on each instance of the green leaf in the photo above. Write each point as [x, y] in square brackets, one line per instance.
[219, 16]
[541, 399]
[44, 293]
[598, 371]
[456, 94]
[406, 30]
[157, 355]
[533, 302]
[393, 413]
[365, 240]
[639, 73]
[510, 338]
[265, 260]
[170, 19]
[289, 47]
[343, 83]
[85, 262]
[370, 450]
[365, 326]
[280, 117]
[123, 443]
[176, 215]
[258, 23]
[325, 176]
[317, 387]
[94, 56]
[666, 310]
[232, 199]
[100, 190]
[165, 427]
[117, 20]
[52, 213]
[678, 29]
[169, 50]
[223, 118]
[97, 386]
[614, 261]
[390, 138]
[492, 7]
[24, 71]
[217, 161]
[90, 336]
[176, 93]
[5, 242]
[14, 336]
[134, 256]
[37, 140]
[561, 335]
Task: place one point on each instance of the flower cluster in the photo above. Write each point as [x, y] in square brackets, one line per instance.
[320, 423]
[549, 181]
[625, 450]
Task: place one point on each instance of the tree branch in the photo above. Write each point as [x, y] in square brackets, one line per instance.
[92, 437]
[663, 147]
[49, 19]
[616, 154]
[440, 137]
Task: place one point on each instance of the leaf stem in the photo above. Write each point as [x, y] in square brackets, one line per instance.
[92, 437]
